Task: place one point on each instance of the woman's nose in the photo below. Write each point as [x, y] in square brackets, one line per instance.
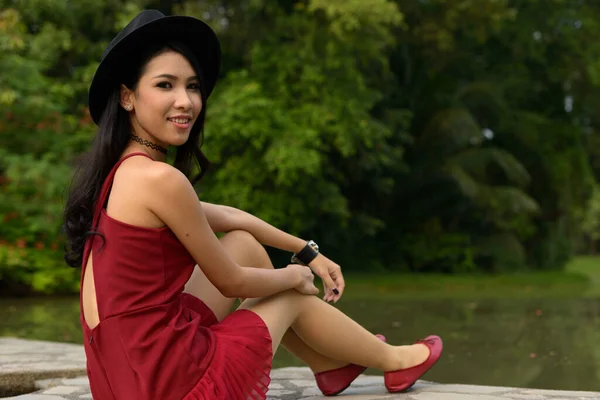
[183, 100]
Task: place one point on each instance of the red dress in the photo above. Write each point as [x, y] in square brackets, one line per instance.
[153, 341]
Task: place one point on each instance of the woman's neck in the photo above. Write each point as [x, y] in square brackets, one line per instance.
[140, 143]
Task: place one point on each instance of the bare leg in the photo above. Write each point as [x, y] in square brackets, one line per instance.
[248, 252]
[330, 332]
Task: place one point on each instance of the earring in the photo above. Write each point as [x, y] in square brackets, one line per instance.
[128, 107]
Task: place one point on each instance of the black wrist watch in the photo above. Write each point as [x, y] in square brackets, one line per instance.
[307, 254]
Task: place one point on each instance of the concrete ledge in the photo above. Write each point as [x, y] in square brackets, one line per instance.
[23, 362]
[287, 383]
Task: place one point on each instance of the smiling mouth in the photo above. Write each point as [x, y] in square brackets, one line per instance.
[180, 121]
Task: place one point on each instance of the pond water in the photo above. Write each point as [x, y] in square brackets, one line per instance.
[537, 343]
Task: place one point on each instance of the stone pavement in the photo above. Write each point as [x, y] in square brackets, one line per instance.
[43, 367]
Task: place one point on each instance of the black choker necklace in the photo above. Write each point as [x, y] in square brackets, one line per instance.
[147, 143]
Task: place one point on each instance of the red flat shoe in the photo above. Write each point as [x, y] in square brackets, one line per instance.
[402, 379]
[335, 381]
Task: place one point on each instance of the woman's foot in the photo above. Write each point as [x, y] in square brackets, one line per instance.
[335, 381]
[416, 360]
[413, 355]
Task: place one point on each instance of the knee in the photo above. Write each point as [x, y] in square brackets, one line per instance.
[240, 239]
[247, 249]
[294, 300]
[240, 236]
[293, 296]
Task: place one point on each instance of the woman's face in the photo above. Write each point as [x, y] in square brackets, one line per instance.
[167, 100]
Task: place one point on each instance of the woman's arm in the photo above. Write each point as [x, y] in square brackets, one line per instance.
[220, 218]
[226, 219]
[229, 218]
[177, 205]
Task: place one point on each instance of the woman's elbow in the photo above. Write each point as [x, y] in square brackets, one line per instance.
[232, 287]
[230, 219]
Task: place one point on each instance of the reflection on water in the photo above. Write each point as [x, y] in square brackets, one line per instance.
[539, 343]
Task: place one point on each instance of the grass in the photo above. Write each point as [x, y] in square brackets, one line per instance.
[588, 266]
[581, 277]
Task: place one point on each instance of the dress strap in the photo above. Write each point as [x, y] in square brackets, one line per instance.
[101, 201]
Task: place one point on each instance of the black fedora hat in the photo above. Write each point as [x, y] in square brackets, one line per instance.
[147, 27]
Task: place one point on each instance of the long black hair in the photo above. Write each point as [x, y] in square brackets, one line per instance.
[110, 143]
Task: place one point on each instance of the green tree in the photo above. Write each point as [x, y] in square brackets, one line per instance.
[292, 131]
[590, 223]
[50, 49]
[465, 68]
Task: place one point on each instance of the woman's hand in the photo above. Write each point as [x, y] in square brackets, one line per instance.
[331, 275]
[305, 279]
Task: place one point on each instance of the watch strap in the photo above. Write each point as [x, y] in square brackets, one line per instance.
[307, 254]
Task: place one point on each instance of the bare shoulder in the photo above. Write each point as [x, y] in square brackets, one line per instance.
[141, 186]
[143, 173]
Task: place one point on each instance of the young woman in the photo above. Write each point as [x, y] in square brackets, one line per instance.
[157, 286]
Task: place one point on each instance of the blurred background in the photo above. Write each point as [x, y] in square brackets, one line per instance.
[446, 153]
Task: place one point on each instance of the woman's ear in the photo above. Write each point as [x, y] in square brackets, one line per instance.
[126, 98]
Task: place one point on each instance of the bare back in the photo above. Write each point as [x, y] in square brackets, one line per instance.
[127, 202]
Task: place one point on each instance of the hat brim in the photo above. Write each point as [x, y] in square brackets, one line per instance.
[192, 32]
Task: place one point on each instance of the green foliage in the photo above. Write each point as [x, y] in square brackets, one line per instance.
[442, 252]
[591, 222]
[495, 137]
[31, 210]
[441, 136]
[44, 73]
[275, 126]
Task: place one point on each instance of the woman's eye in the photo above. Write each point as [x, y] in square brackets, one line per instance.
[194, 86]
[164, 85]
